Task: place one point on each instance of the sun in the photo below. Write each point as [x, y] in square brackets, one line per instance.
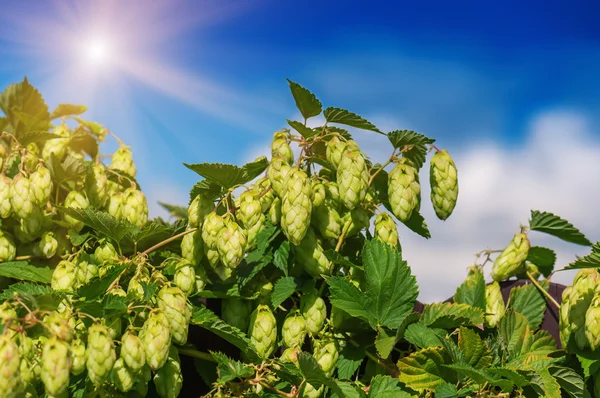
[97, 51]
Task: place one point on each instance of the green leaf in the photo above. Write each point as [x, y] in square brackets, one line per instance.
[451, 316]
[71, 169]
[24, 271]
[281, 257]
[422, 336]
[478, 375]
[346, 390]
[81, 140]
[446, 390]
[304, 131]
[385, 343]
[338, 259]
[228, 175]
[67, 110]
[528, 301]
[545, 384]
[27, 288]
[474, 350]
[93, 127]
[114, 305]
[77, 239]
[153, 233]
[422, 370]
[472, 291]
[207, 189]
[101, 222]
[342, 116]
[122, 178]
[208, 320]
[515, 377]
[569, 380]
[386, 387]
[175, 210]
[96, 288]
[229, 369]
[402, 138]
[543, 257]
[591, 260]
[288, 371]
[349, 361]
[311, 370]
[512, 330]
[417, 224]
[36, 136]
[589, 363]
[553, 225]
[347, 297]
[22, 102]
[282, 290]
[307, 103]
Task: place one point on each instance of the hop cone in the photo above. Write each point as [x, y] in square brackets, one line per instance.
[135, 207]
[352, 176]
[280, 147]
[314, 312]
[173, 302]
[338, 317]
[335, 151]
[563, 320]
[311, 255]
[96, 186]
[22, 200]
[443, 178]
[319, 193]
[141, 384]
[311, 392]
[56, 365]
[198, 210]
[122, 160]
[101, 354]
[56, 146]
[156, 339]
[263, 331]
[265, 194]
[33, 224]
[168, 379]
[75, 200]
[385, 229]
[48, 244]
[592, 322]
[8, 250]
[185, 277]
[494, 304]
[58, 326]
[404, 190]
[275, 211]
[132, 352]
[213, 224]
[327, 221]
[77, 357]
[580, 299]
[296, 206]
[64, 276]
[236, 312]
[86, 270]
[326, 352]
[5, 194]
[294, 330]
[250, 214]
[277, 172]
[359, 219]
[122, 377]
[115, 205]
[192, 247]
[290, 355]
[41, 185]
[231, 244]
[511, 261]
[106, 252]
[10, 379]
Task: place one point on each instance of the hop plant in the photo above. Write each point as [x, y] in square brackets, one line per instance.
[213, 224]
[173, 302]
[277, 172]
[22, 200]
[169, 379]
[296, 206]
[5, 197]
[96, 186]
[335, 151]
[75, 200]
[122, 160]
[592, 321]
[185, 277]
[311, 255]
[10, 379]
[352, 176]
[314, 311]
[132, 351]
[236, 312]
[494, 304]
[263, 331]
[443, 178]
[231, 244]
[56, 366]
[156, 339]
[386, 230]
[511, 261]
[294, 330]
[404, 190]
[101, 354]
[48, 244]
[8, 250]
[135, 207]
[64, 276]
[280, 147]
[198, 209]
[41, 185]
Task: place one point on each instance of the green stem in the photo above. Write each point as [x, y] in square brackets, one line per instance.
[544, 292]
[196, 354]
[343, 235]
[166, 241]
[390, 160]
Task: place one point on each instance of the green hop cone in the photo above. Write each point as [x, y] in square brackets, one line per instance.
[563, 320]
[64, 276]
[512, 259]
[56, 364]
[386, 230]
[32, 226]
[404, 190]
[338, 317]
[75, 200]
[185, 277]
[132, 351]
[213, 224]
[311, 255]
[277, 172]
[309, 391]
[48, 244]
[106, 252]
[581, 296]
[192, 247]
[290, 355]
[265, 194]
[22, 200]
[10, 379]
[275, 212]
[5, 194]
[142, 380]
[327, 221]
[334, 152]
[352, 176]
[41, 185]
[263, 331]
[169, 379]
[319, 193]
[121, 376]
[115, 205]
[198, 210]
[494, 304]
[592, 322]
[173, 302]
[280, 147]
[314, 311]
[250, 215]
[156, 339]
[58, 326]
[8, 316]
[294, 330]
[56, 146]
[236, 312]
[443, 178]
[296, 206]
[8, 250]
[77, 357]
[96, 186]
[86, 270]
[135, 207]
[101, 354]
[231, 244]
[122, 160]
[326, 352]
[200, 279]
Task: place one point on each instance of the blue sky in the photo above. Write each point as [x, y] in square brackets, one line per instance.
[204, 81]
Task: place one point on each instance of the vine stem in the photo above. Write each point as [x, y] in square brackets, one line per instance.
[390, 160]
[283, 394]
[196, 354]
[343, 235]
[166, 241]
[544, 292]
[23, 258]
